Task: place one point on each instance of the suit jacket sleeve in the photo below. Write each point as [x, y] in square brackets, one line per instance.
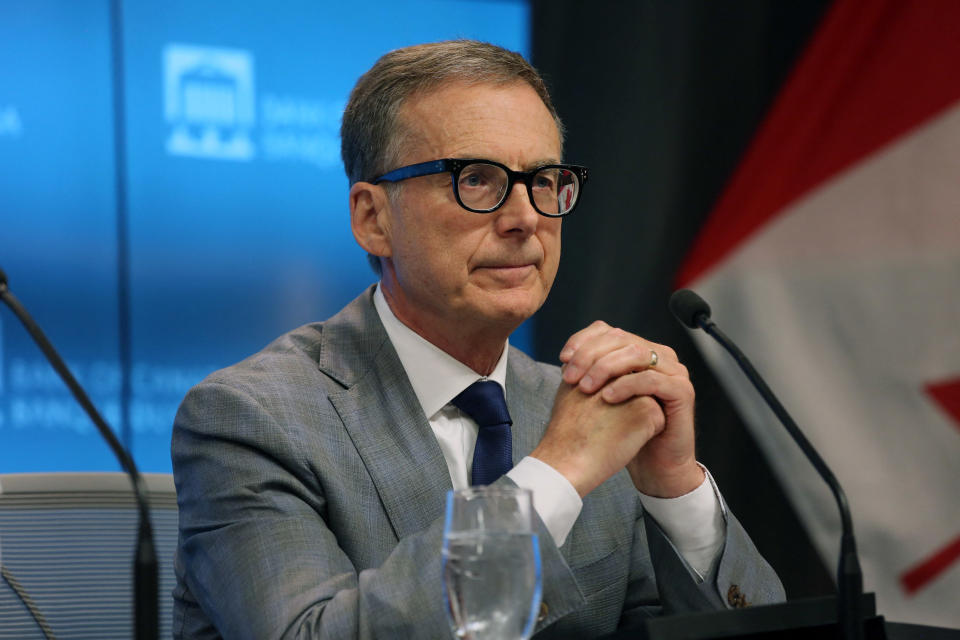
[740, 568]
[257, 554]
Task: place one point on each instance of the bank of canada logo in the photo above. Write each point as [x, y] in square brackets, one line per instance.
[209, 102]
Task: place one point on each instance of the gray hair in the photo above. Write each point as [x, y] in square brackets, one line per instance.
[371, 136]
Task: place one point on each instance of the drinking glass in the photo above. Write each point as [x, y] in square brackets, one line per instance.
[491, 563]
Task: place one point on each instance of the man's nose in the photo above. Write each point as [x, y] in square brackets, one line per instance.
[517, 215]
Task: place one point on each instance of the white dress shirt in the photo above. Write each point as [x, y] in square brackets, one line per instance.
[694, 522]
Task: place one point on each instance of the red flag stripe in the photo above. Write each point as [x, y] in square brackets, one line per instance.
[947, 395]
[918, 577]
[872, 71]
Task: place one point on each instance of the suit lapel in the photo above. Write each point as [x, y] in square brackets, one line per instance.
[529, 401]
[383, 417]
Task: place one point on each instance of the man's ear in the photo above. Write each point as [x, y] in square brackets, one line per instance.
[370, 218]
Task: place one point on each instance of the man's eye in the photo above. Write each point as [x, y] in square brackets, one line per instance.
[472, 180]
[544, 182]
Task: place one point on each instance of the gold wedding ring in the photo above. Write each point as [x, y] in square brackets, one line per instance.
[654, 359]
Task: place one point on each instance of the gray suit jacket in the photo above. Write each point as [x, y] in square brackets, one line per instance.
[311, 494]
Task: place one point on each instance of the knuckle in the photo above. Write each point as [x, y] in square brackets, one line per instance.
[648, 403]
[657, 383]
[652, 413]
[638, 350]
[601, 370]
[583, 358]
[659, 421]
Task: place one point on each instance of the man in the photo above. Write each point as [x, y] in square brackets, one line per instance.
[311, 476]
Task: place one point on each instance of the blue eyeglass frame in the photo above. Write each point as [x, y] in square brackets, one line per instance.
[455, 165]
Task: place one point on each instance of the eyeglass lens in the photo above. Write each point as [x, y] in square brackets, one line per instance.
[483, 187]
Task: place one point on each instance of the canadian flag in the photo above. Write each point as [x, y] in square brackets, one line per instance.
[833, 258]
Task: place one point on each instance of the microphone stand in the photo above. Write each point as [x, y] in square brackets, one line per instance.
[849, 575]
[146, 614]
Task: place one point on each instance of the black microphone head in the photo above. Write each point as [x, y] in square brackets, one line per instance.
[687, 306]
[3, 278]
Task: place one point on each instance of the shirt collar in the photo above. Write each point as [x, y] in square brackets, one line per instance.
[435, 375]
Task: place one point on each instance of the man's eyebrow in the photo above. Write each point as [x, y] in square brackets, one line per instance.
[530, 166]
[540, 163]
[526, 167]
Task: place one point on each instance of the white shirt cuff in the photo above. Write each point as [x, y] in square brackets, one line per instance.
[695, 523]
[557, 503]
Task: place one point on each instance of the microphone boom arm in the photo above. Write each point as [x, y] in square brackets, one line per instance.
[146, 613]
[692, 311]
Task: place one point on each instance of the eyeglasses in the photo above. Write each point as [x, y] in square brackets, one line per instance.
[483, 186]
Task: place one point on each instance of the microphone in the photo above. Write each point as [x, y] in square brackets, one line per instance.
[687, 307]
[146, 613]
[694, 312]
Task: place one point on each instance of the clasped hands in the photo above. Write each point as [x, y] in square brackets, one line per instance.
[616, 409]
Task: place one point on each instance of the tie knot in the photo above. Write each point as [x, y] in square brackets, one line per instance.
[484, 402]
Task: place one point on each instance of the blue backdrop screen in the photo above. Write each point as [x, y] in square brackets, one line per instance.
[235, 217]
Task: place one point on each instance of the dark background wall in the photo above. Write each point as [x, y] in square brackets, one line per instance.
[660, 99]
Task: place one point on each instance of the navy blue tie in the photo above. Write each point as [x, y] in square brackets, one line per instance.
[493, 456]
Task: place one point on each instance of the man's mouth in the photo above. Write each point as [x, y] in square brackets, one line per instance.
[510, 274]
